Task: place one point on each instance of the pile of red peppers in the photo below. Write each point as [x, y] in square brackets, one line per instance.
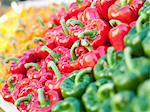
[77, 38]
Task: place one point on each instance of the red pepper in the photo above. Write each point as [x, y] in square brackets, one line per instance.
[65, 40]
[125, 10]
[45, 101]
[117, 34]
[96, 32]
[90, 59]
[80, 51]
[74, 10]
[57, 80]
[18, 65]
[24, 87]
[8, 86]
[102, 7]
[90, 13]
[38, 72]
[55, 18]
[49, 42]
[75, 27]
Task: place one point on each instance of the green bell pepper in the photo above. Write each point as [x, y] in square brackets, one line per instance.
[146, 44]
[134, 40]
[76, 84]
[106, 65]
[97, 93]
[144, 90]
[69, 104]
[142, 102]
[131, 72]
[121, 102]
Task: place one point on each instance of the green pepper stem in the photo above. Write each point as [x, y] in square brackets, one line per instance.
[25, 98]
[86, 44]
[40, 21]
[52, 65]
[2, 56]
[51, 52]
[123, 3]
[110, 56]
[28, 65]
[10, 84]
[139, 22]
[43, 102]
[7, 60]
[72, 51]
[2, 80]
[114, 22]
[79, 1]
[64, 26]
[93, 3]
[65, 6]
[75, 22]
[82, 73]
[39, 39]
[90, 33]
[128, 59]
[51, 25]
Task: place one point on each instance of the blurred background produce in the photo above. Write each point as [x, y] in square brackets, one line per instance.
[19, 24]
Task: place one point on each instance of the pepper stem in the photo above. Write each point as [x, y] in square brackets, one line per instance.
[72, 51]
[2, 56]
[28, 65]
[140, 21]
[93, 3]
[39, 39]
[128, 59]
[114, 22]
[40, 21]
[110, 56]
[43, 102]
[10, 84]
[7, 60]
[64, 26]
[81, 73]
[2, 80]
[25, 98]
[52, 65]
[75, 22]
[51, 52]
[90, 33]
[65, 6]
[123, 3]
[86, 44]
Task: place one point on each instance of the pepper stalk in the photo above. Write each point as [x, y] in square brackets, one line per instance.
[43, 102]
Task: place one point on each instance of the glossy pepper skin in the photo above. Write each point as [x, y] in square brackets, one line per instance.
[44, 101]
[69, 104]
[75, 85]
[90, 12]
[95, 94]
[102, 7]
[76, 9]
[96, 32]
[125, 11]
[107, 64]
[9, 86]
[57, 79]
[90, 59]
[117, 34]
[123, 104]
[65, 40]
[131, 72]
